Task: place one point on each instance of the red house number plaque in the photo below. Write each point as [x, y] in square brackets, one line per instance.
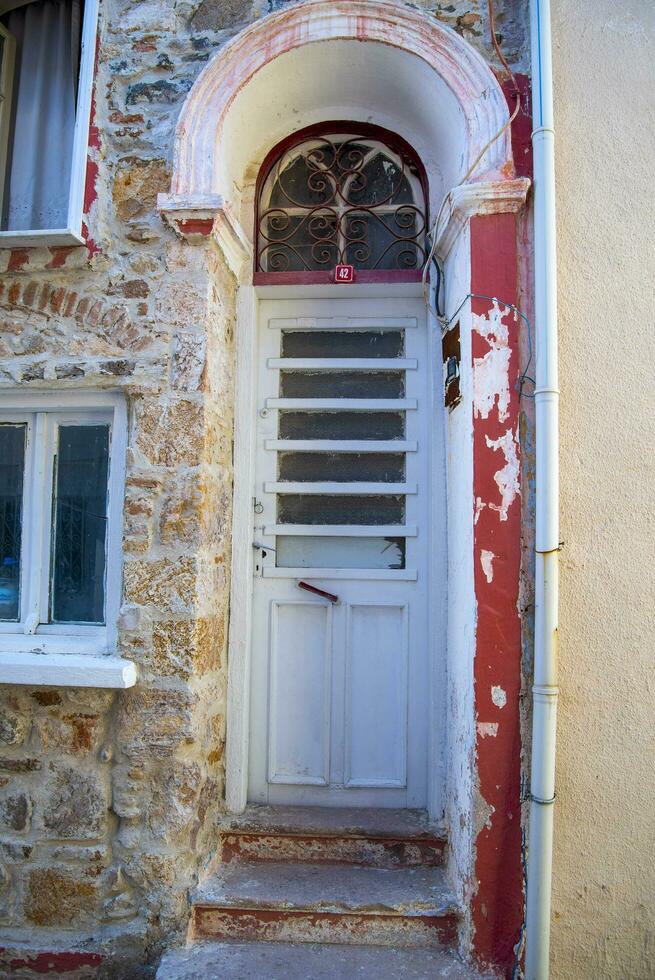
[344, 273]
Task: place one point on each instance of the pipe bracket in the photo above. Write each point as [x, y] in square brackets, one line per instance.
[537, 799]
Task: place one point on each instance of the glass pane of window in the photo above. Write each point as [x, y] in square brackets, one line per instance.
[342, 343]
[80, 524]
[342, 384]
[342, 425]
[12, 469]
[343, 467]
[339, 509]
[325, 552]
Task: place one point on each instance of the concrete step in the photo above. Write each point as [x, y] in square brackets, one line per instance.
[371, 838]
[322, 903]
[284, 961]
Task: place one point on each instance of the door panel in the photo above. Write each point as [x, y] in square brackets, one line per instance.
[339, 691]
[299, 697]
[376, 695]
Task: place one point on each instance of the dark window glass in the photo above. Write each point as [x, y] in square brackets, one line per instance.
[80, 524]
[343, 343]
[12, 468]
[333, 509]
[342, 467]
[342, 384]
[342, 425]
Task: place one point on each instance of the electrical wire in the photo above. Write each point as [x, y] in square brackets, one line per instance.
[524, 376]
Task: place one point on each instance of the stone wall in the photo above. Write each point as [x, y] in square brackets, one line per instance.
[108, 801]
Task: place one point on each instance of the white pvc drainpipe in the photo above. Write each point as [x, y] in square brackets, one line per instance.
[545, 690]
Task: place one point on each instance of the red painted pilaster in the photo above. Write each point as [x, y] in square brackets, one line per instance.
[497, 908]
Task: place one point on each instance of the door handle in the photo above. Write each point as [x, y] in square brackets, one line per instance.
[316, 591]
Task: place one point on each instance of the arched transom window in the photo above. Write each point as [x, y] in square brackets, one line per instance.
[341, 196]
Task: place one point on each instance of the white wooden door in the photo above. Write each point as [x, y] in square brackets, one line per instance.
[339, 689]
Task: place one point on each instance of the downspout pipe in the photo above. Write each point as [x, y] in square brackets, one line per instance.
[544, 690]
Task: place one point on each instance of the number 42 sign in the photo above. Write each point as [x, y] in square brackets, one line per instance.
[344, 273]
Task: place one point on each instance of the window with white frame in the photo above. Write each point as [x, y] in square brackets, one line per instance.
[47, 50]
[61, 478]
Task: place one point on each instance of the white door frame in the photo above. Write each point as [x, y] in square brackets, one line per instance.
[240, 628]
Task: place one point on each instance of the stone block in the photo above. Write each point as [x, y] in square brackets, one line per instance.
[182, 648]
[76, 734]
[137, 184]
[58, 897]
[15, 812]
[76, 805]
[155, 722]
[188, 361]
[168, 584]
[14, 727]
[170, 434]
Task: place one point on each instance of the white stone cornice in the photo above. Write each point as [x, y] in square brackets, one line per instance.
[468, 200]
[198, 218]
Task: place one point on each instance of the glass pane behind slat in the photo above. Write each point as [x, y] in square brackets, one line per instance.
[342, 384]
[339, 509]
[342, 425]
[342, 343]
[80, 524]
[348, 467]
[339, 552]
[12, 469]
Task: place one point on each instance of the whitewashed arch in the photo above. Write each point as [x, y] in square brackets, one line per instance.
[447, 69]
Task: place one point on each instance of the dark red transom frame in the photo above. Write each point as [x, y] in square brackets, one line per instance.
[340, 232]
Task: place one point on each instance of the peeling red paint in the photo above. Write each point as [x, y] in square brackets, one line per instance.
[497, 908]
[195, 226]
[59, 963]
[59, 255]
[522, 125]
[17, 259]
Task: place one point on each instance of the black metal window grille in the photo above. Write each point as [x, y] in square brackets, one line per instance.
[342, 197]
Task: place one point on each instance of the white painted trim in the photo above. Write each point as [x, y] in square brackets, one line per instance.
[379, 574]
[343, 363]
[370, 290]
[83, 115]
[468, 200]
[66, 670]
[238, 682]
[340, 489]
[72, 234]
[343, 530]
[341, 445]
[345, 404]
[7, 69]
[340, 323]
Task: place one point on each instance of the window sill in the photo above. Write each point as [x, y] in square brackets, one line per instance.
[40, 238]
[66, 670]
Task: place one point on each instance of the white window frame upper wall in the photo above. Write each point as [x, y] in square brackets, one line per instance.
[72, 234]
[45, 411]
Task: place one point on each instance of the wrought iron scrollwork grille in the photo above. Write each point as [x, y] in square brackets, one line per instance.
[342, 197]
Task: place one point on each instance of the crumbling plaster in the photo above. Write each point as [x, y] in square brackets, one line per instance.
[138, 775]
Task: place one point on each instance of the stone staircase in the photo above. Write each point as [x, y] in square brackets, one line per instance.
[317, 893]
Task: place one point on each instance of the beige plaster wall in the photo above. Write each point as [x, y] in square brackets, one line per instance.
[604, 880]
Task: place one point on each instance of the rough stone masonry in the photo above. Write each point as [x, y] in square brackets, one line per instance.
[109, 801]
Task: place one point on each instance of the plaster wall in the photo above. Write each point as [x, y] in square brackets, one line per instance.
[604, 861]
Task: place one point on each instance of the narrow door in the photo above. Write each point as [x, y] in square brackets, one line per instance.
[339, 681]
